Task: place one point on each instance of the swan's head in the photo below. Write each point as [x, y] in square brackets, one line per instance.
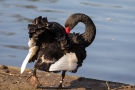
[71, 22]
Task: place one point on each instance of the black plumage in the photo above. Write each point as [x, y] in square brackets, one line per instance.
[47, 36]
[55, 42]
[80, 41]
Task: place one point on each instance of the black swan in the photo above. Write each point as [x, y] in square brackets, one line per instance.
[55, 48]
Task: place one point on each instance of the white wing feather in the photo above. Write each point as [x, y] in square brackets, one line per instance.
[25, 62]
[32, 52]
[67, 62]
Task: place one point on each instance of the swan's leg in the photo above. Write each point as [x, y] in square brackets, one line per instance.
[60, 85]
[33, 80]
[62, 79]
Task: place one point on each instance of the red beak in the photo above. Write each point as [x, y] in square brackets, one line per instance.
[67, 30]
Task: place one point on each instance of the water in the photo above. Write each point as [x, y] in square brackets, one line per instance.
[111, 56]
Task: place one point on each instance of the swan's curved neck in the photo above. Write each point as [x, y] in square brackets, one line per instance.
[90, 29]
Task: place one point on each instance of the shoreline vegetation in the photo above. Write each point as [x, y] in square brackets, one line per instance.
[11, 79]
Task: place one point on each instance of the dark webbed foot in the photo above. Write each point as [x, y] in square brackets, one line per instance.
[33, 80]
[60, 85]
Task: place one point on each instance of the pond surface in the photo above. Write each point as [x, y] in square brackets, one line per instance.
[110, 57]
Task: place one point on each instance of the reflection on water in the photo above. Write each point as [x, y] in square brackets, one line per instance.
[7, 33]
[100, 5]
[10, 56]
[109, 19]
[18, 17]
[45, 1]
[19, 6]
[15, 47]
[21, 18]
[54, 11]
[111, 55]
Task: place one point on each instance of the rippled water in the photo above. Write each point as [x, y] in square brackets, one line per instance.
[110, 57]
